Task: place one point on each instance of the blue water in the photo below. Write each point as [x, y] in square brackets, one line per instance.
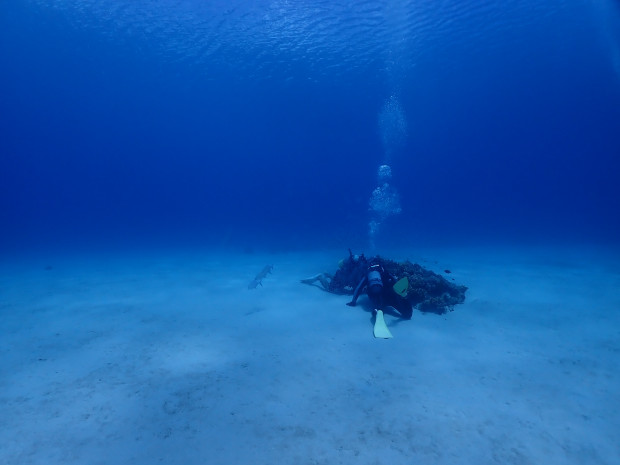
[251, 123]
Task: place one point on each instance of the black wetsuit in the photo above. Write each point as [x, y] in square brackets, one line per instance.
[382, 294]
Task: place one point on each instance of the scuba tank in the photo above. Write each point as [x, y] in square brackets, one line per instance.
[375, 281]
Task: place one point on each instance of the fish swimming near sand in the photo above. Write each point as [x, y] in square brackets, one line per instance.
[260, 276]
[254, 284]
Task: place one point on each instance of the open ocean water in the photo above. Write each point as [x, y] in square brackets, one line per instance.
[267, 122]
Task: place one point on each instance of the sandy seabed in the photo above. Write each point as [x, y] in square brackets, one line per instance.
[167, 357]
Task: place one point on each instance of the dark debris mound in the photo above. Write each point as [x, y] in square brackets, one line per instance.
[428, 291]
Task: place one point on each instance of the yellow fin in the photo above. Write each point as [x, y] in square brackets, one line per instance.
[401, 286]
[381, 330]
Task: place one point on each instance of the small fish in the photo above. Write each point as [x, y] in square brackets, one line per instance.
[254, 284]
[260, 276]
[263, 274]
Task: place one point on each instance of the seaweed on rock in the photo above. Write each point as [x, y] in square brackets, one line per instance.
[428, 291]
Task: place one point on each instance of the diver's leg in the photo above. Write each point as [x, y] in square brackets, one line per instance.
[312, 279]
[402, 305]
[324, 281]
[323, 278]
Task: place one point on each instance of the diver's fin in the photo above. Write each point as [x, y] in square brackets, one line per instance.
[401, 287]
[381, 330]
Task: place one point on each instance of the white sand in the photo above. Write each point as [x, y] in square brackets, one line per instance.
[168, 358]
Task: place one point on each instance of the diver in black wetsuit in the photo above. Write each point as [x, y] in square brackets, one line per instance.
[379, 286]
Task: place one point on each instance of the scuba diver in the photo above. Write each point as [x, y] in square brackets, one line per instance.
[379, 286]
[355, 274]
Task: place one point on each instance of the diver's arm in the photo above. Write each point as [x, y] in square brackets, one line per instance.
[356, 294]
